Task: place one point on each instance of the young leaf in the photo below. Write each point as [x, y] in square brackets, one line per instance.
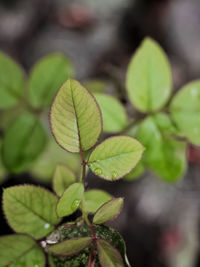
[113, 112]
[20, 250]
[94, 199]
[24, 140]
[149, 81]
[46, 77]
[135, 173]
[108, 255]
[11, 82]
[63, 177]
[70, 200]
[164, 155]
[30, 210]
[75, 118]
[42, 169]
[185, 110]
[115, 157]
[70, 247]
[108, 211]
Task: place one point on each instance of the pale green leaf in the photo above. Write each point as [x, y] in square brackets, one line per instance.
[115, 157]
[70, 247]
[30, 210]
[23, 141]
[94, 199]
[135, 173]
[70, 200]
[42, 169]
[113, 112]
[163, 154]
[46, 77]
[108, 211]
[11, 82]
[20, 250]
[108, 255]
[95, 86]
[149, 81]
[75, 117]
[63, 177]
[185, 110]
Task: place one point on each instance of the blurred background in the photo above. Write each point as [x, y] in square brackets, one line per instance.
[160, 222]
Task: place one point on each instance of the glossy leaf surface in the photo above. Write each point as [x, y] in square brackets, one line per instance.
[46, 77]
[75, 118]
[70, 200]
[149, 81]
[30, 210]
[113, 112]
[108, 211]
[115, 157]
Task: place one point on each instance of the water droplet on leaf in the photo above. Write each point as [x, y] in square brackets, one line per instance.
[47, 225]
[75, 204]
[98, 171]
[114, 174]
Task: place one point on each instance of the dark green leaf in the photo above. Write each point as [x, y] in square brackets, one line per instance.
[24, 140]
[46, 77]
[135, 173]
[30, 210]
[11, 82]
[95, 86]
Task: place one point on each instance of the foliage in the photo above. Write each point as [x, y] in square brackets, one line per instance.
[76, 124]
[164, 123]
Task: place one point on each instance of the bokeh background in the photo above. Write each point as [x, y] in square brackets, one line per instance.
[160, 222]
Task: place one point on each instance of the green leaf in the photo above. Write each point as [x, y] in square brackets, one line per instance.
[94, 199]
[24, 140]
[42, 169]
[115, 157]
[108, 211]
[46, 77]
[70, 247]
[135, 173]
[20, 250]
[108, 255]
[114, 114]
[95, 86]
[164, 155]
[63, 177]
[11, 82]
[75, 118]
[70, 200]
[149, 81]
[30, 210]
[185, 110]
